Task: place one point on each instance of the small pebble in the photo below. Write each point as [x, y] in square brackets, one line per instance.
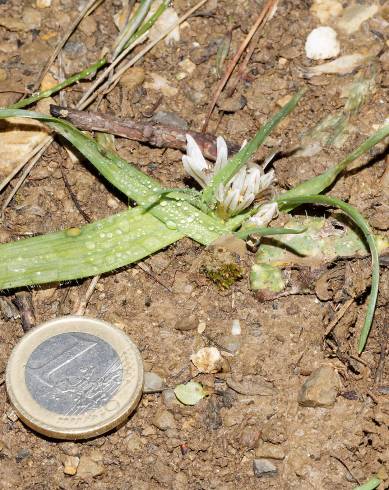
[32, 18]
[24, 453]
[263, 467]
[43, 4]
[160, 84]
[148, 431]
[236, 328]
[48, 82]
[201, 327]
[112, 203]
[134, 443]
[249, 437]
[232, 418]
[320, 389]
[251, 385]
[163, 474]
[164, 420]
[232, 104]
[326, 10]
[3, 75]
[12, 415]
[269, 451]
[229, 343]
[283, 100]
[169, 398]
[354, 15]
[74, 49]
[152, 383]
[90, 466]
[12, 24]
[70, 465]
[88, 26]
[70, 448]
[186, 323]
[132, 78]
[322, 44]
[187, 65]
[169, 119]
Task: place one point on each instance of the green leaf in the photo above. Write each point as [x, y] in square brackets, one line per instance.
[86, 251]
[359, 220]
[318, 184]
[320, 243]
[190, 393]
[267, 277]
[254, 230]
[88, 72]
[131, 27]
[370, 485]
[172, 209]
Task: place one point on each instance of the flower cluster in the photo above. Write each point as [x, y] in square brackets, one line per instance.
[239, 193]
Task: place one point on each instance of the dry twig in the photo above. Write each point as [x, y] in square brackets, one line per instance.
[23, 302]
[267, 11]
[250, 51]
[156, 135]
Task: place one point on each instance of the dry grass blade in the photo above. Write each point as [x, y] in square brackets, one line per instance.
[110, 85]
[89, 7]
[17, 169]
[81, 309]
[250, 51]
[27, 170]
[266, 12]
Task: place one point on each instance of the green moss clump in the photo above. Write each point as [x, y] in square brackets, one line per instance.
[225, 275]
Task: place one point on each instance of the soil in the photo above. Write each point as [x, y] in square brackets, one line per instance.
[214, 443]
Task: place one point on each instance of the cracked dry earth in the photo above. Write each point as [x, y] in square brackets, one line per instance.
[288, 410]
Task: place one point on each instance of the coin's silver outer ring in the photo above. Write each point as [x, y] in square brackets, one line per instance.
[94, 422]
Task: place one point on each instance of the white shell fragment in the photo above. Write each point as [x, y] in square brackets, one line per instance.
[207, 360]
[342, 66]
[322, 44]
[160, 84]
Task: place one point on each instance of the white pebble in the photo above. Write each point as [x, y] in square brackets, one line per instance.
[235, 327]
[322, 44]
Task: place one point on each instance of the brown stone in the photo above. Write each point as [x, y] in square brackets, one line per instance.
[320, 389]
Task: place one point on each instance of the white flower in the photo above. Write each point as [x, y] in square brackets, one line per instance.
[240, 191]
[265, 214]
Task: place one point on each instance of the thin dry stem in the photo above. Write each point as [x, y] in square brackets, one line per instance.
[46, 143]
[250, 51]
[110, 84]
[85, 300]
[267, 9]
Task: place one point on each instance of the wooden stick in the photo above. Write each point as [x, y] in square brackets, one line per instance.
[156, 135]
